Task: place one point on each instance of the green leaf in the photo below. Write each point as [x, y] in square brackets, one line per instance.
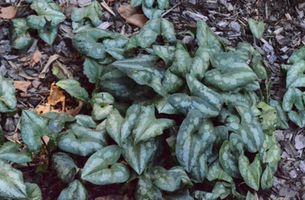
[257, 29]
[32, 129]
[144, 71]
[20, 39]
[250, 196]
[205, 195]
[8, 99]
[10, 151]
[170, 180]
[48, 34]
[299, 55]
[182, 194]
[11, 182]
[92, 11]
[293, 96]
[81, 141]
[251, 173]
[194, 145]
[228, 161]
[65, 167]
[102, 105]
[75, 191]
[217, 173]
[267, 178]
[267, 117]
[163, 106]
[149, 32]
[297, 117]
[96, 169]
[140, 121]
[231, 73]
[85, 121]
[221, 190]
[171, 82]
[87, 43]
[151, 12]
[209, 40]
[295, 75]
[146, 190]
[281, 114]
[167, 53]
[135, 3]
[74, 89]
[33, 192]
[57, 121]
[92, 69]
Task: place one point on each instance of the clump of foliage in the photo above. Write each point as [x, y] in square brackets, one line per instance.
[172, 117]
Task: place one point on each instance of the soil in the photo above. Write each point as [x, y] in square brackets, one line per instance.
[284, 34]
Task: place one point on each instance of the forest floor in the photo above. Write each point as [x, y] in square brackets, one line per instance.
[284, 34]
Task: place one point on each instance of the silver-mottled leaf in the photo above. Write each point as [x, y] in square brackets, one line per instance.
[65, 167]
[76, 191]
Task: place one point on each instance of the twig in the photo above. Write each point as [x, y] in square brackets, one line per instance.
[172, 8]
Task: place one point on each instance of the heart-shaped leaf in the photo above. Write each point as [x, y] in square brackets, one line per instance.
[97, 171]
[92, 69]
[76, 190]
[267, 178]
[194, 145]
[163, 106]
[8, 99]
[92, 11]
[297, 117]
[167, 53]
[20, 39]
[73, 88]
[204, 195]
[11, 182]
[228, 161]
[251, 173]
[257, 29]
[102, 105]
[10, 151]
[33, 192]
[299, 55]
[295, 75]
[33, 127]
[57, 121]
[222, 189]
[65, 167]
[146, 190]
[81, 141]
[282, 122]
[267, 117]
[85, 121]
[293, 96]
[217, 173]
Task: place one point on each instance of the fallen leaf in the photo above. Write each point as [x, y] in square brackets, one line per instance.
[137, 19]
[75, 111]
[56, 96]
[22, 85]
[42, 109]
[36, 57]
[8, 12]
[64, 69]
[46, 67]
[126, 11]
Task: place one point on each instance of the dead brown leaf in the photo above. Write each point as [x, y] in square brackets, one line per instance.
[46, 67]
[56, 96]
[22, 85]
[36, 57]
[42, 109]
[126, 11]
[137, 19]
[76, 110]
[8, 12]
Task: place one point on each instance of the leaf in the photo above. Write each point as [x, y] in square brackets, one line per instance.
[57, 121]
[163, 106]
[228, 161]
[92, 11]
[167, 53]
[293, 96]
[267, 117]
[20, 39]
[85, 121]
[56, 96]
[9, 12]
[194, 145]
[171, 82]
[143, 70]
[204, 195]
[295, 75]
[281, 114]
[97, 170]
[36, 57]
[182, 194]
[32, 129]
[75, 191]
[267, 178]
[11, 182]
[297, 117]
[65, 167]
[135, 3]
[170, 180]
[22, 85]
[33, 192]
[10, 151]
[229, 74]
[151, 12]
[102, 105]
[208, 39]
[126, 11]
[297, 56]
[217, 173]
[251, 173]
[8, 99]
[146, 190]
[149, 32]
[137, 20]
[250, 196]
[87, 43]
[257, 29]
[74, 89]
[220, 189]
[92, 69]
[81, 141]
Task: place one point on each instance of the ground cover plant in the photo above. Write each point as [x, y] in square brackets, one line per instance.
[181, 121]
